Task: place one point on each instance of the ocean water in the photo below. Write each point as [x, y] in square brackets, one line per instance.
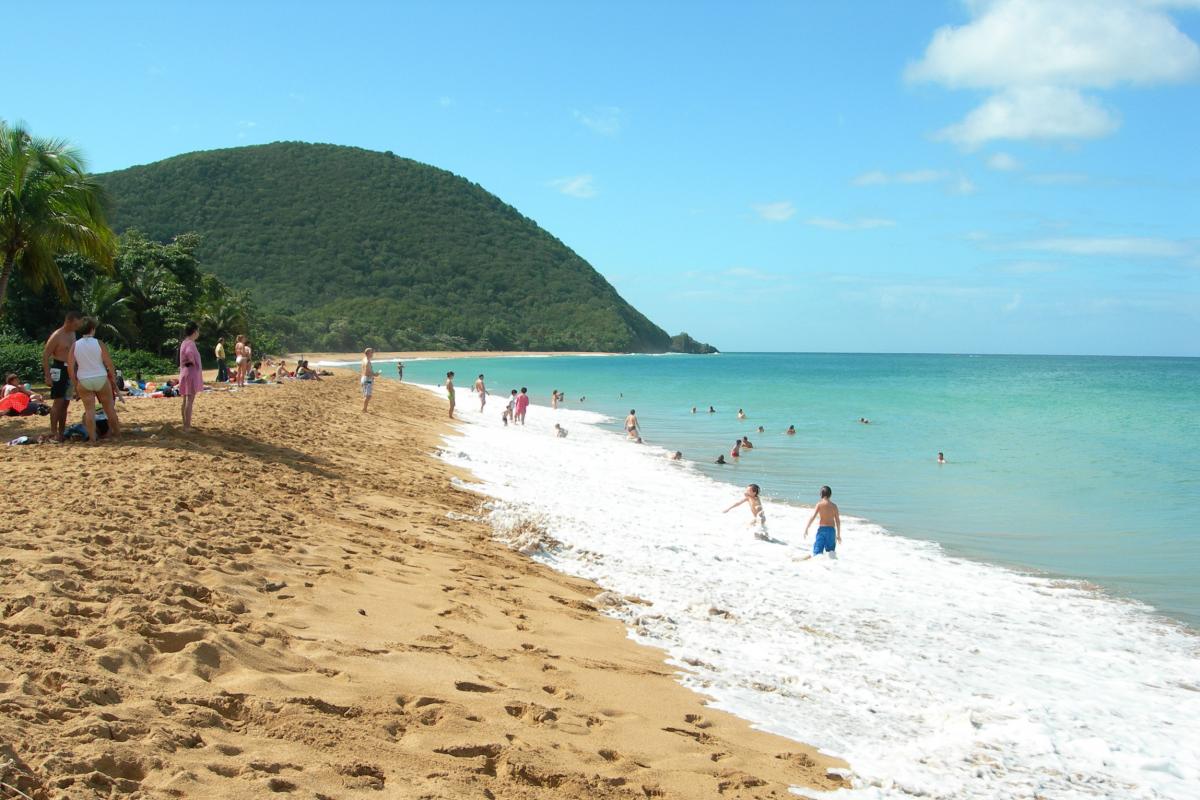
[1012, 623]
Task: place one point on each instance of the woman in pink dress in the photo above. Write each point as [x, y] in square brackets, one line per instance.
[191, 374]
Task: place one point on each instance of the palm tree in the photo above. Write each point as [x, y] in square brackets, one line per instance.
[225, 317]
[48, 206]
[104, 300]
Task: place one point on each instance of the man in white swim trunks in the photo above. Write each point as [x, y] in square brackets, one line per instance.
[758, 519]
[367, 377]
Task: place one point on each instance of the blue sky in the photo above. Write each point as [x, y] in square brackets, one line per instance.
[1005, 176]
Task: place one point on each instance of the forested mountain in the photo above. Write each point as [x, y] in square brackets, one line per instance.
[342, 247]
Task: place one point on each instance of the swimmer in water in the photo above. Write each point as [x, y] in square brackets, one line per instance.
[941, 457]
[741, 414]
[677, 456]
[791, 431]
[757, 518]
[720, 460]
[736, 452]
[746, 445]
[712, 410]
[761, 429]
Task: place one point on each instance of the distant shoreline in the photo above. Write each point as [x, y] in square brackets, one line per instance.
[432, 354]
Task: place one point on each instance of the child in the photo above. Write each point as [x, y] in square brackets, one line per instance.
[510, 409]
[757, 518]
[522, 403]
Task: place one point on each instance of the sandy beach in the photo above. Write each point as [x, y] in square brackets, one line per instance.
[291, 602]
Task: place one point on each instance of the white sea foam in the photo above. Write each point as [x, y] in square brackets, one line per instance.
[932, 676]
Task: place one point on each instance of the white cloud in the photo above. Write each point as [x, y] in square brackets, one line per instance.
[749, 272]
[1058, 178]
[861, 224]
[1003, 162]
[775, 212]
[1032, 112]
[1012, 305]
[1028, 267]
[1037, 56]
[963, 185]
[1076, 43]
[445, 102]
[576, 186]
[880, 178]
[605, 120]
[1109, 246]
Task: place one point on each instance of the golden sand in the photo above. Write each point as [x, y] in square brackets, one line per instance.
[278, 605]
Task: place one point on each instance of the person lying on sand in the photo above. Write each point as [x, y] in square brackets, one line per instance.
[829, 532]
[758, 519]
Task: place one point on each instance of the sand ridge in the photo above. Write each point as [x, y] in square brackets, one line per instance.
[280, 605]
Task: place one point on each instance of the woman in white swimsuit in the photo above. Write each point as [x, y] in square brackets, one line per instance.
[91, 372]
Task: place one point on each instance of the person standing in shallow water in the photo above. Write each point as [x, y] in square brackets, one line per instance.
[829, 532]
[522, 404]
[632, 429]
[450, 391]
[481, 390]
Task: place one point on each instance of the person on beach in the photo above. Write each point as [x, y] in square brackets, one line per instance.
[560, 431]
[481, 390]
[450, 391]
[510, 409]
[746, 445]
[632, 429]
[522, 404]
[240, 363]
[758, 519]
[222, 367]
[54, 369]
[741, 414]
[367, 376]
[736, 452]
[791, 431]
[91, 372]
[829, 531]
[400, 371]
[191, 372]
[941, 457]
[554, 398]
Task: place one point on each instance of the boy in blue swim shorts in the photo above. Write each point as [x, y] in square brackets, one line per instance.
[829, 532]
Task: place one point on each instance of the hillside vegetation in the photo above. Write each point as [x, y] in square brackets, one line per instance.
[342, 247]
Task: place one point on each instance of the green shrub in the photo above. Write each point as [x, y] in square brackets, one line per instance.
[25, 359]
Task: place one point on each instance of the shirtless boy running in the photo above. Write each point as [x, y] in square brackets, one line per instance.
[54, 370]
[757, 518]
[829, 532]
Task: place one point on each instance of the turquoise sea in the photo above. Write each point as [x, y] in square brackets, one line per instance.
[1082, 467]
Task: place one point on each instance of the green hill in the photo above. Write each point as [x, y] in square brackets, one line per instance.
[343, 247]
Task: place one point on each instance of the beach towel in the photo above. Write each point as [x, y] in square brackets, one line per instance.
[14, 404]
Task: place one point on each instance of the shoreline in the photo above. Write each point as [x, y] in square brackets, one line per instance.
[295, 599]
[430, 355]
[887, 672]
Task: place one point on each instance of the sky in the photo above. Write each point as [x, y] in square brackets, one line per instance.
[1003, 176]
